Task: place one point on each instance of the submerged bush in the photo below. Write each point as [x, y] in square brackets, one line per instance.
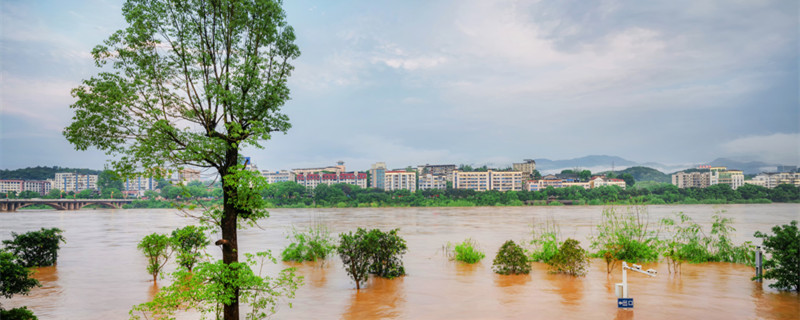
[188, 242]
[545, 242]
[625, 236]
[156, 247]
[570, 259]
[315, 243]
[15, 279]
[466, 251]
[373, 252]
[511, 259]
[36, 248]
[784, 264]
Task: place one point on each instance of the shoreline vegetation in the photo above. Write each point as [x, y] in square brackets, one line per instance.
[293, 195]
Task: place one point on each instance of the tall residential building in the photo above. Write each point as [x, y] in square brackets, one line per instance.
[691, 179]
[277, 176]
[772, 180]
[398, 180]
[506, 180]
[70, 181]
[431, 181]
[721, 175]
[488, 180]
[526, 167]
[378, 175]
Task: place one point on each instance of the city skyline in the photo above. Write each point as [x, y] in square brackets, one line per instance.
[465, 82]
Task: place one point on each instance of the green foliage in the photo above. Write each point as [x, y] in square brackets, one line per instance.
[545, 241]
[36, 248]
[21, 313]
[466, 251]
[387, 249]
[14, 276]
[356, 255]
[376, 252]
[156, 247]
[511, 259]
[109, 179]
[784, 264]
[315, 243]
[213, 285]
[15, 279]
[188, 242]
[570, 259]
[625, 236]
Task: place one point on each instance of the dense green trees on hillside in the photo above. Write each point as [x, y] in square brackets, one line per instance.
[40, 173]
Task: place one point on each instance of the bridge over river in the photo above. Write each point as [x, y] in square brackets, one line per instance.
[9, 205]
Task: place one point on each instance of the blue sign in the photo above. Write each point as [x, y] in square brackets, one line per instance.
[624, 302]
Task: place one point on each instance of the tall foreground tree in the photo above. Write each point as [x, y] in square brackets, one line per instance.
[191, 83]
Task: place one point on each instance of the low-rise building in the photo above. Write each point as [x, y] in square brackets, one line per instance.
[339, 167]
[597, 182]
[721, 175]
[312, 180]
[527, 167]
[445, 170]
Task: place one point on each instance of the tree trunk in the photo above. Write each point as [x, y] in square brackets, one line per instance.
[230, 246]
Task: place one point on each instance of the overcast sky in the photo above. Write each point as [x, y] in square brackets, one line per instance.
[473, 82]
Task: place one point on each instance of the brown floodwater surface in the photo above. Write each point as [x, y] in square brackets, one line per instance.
[100, 274]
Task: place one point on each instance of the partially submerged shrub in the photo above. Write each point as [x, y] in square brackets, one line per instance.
[545, 242]
[570, 259]
[511, 259]
[188, 242]
[625, 236]
[36, 248]
[784, 264]
[466, 251]
[157, 250]
[373, 252]
[310, 245]
[686, 241]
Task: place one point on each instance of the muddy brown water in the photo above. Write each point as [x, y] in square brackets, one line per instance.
[100, 275]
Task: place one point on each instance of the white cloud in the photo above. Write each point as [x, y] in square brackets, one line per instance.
[778, 148]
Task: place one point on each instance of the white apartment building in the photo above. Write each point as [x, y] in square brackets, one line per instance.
[691, 179]
[41, 186]
[69, 181]
[772, 180]
[278, 176]
[397, 180]
[140, 185]
[431, 181]
[488, 180]
[11, 186]
[597, 182]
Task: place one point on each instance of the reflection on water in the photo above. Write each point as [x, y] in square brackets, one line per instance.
[100, 274]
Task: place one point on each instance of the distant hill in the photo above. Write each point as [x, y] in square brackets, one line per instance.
[40, 173]
[640, 173]
[598, 163]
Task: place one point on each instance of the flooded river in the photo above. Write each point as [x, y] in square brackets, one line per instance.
[100, 274]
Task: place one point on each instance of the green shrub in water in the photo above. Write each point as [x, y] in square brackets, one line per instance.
[570, 259]
[511, 259]
[466, 251]
[784, 264]
[315, 243]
